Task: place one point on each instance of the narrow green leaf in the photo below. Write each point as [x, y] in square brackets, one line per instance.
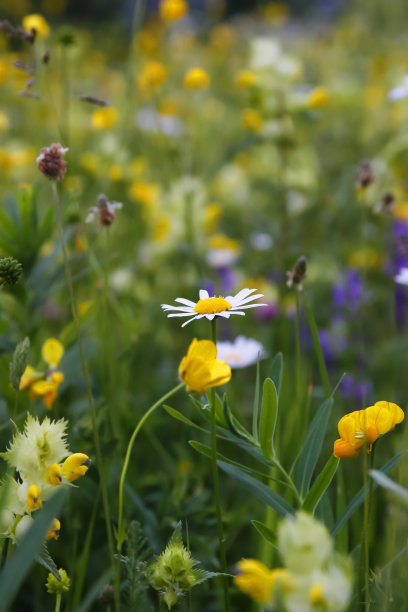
[265, 532]
[258, 489]
[45, 559]
[389, 484]
[234, 425]
[359, 497]
[206, 451]
[255, 410]
[318, 350]
[27, 550]
[321, 484]
[248, 447]
[269, 415]
[276, 371]
[181, 417]
[312, 447]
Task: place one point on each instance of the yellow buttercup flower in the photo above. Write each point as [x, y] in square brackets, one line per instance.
[33, 498]
[319, 98]
[363, 427]
[196, 78]
[154, 74]
[52, 351]
[74, 466]
[54, 475]
[245, 79]
[200, 369]
[38, 23]
[255, 579]
[172, 10]
[104, 118]
[54, 530]
[251, 119]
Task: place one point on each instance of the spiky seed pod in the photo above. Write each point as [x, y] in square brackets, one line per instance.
[18, 365]
[10, 271]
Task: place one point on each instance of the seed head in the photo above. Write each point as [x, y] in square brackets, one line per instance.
[10, 271]
[51, 163]
[298, 273]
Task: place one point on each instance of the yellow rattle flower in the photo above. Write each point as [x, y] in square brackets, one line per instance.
[74, 466]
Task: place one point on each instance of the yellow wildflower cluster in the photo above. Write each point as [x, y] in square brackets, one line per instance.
[45, 383]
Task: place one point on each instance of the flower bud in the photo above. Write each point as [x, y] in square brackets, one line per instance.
[51, 163]
[10, 271]
[19, 363]
[57, 587]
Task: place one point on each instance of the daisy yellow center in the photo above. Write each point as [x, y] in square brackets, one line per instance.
[212, 305]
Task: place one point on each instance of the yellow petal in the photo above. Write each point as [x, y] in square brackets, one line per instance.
[344, 449]
[52, 352]
[347, 426]
[41, 387]
[29, 376]
[397, 414]
[380, 417]
[202, 349]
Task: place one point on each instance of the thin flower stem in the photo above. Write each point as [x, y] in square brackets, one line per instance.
[58, 602]
[365, 544]
[86, 380]
[216, 483]
[288, 480]
[120, 534]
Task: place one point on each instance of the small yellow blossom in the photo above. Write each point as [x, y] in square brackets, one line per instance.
[115, 173]
[52, 351]
[361, 428]
[251, 119]
[29, 377]
[89, 162]
[316, 595]
[104, 118]
[74, 466]
[4, 120]
[172, 10]
[54, 530]
[161, 229]
[54, 475]
[212, 215]
[200, 369]
[153, 75]
[319, 98]
[222, 37]
[245, 79]
[145, 193]
[196, 78]
[33, 498]
[255, 579]
[36, 22]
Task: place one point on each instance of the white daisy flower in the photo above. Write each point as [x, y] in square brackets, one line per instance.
[241, 353]
[210, 307]
[402, 277]
[399, 92]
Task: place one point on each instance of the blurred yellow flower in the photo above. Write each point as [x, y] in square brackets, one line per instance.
[222, 37]
[153, 75]
[54, 530]
[38, 23]
[104, 118]
[221, 241]
[366, 258]
[318, 98]
[255, 579]
[90, 162]
[361, 428]
[196, 78]
[138, 166]
[45, 384]
[251, 120]
[212, 214]
[161, 229]
[400, 211]
[245, 79]
[4, 120]
[52, 352]
[200, 369]
[145, 193]
[2, 72]
[115, 173]
[172, 10]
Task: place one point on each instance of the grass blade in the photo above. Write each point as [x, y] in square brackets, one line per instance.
[321, 484]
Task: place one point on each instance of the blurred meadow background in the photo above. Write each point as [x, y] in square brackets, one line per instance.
[217, 146]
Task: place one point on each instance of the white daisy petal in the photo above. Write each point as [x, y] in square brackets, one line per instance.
[186, 302]
[245, 306]
[204, 294]
[238, 312]
[189, 321]
[251, 298]
[226, 315]
[240, 295]
[210, 316]
[186, 309]
[179, 314]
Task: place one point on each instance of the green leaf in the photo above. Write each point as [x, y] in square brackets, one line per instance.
[180, 417]
[389, 484]
[248, 447]
[45, 559]
[206, 451]
[359, 497]
[258, 489]
[27, 550]
[321, 484]
[318, 350]
[269, 415]
[276, 371]
[312, 447]
[255, 410]
[265, 532]
[233, 423]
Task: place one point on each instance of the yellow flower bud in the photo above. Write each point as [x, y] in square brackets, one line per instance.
[54, 530]
[33, 498]
[74, 466]
[55, 586]
[54, 474]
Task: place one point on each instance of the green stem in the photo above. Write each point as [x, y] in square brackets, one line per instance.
[120, 534]
[365, 550]
[216, 483]
[58, 602]
[86, 380]
[289, 480]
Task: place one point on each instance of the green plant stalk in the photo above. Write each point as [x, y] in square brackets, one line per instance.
[318, 350]
[120, 536]
[58, 602]
[364, 587]
[86, 380]
[216, 484]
